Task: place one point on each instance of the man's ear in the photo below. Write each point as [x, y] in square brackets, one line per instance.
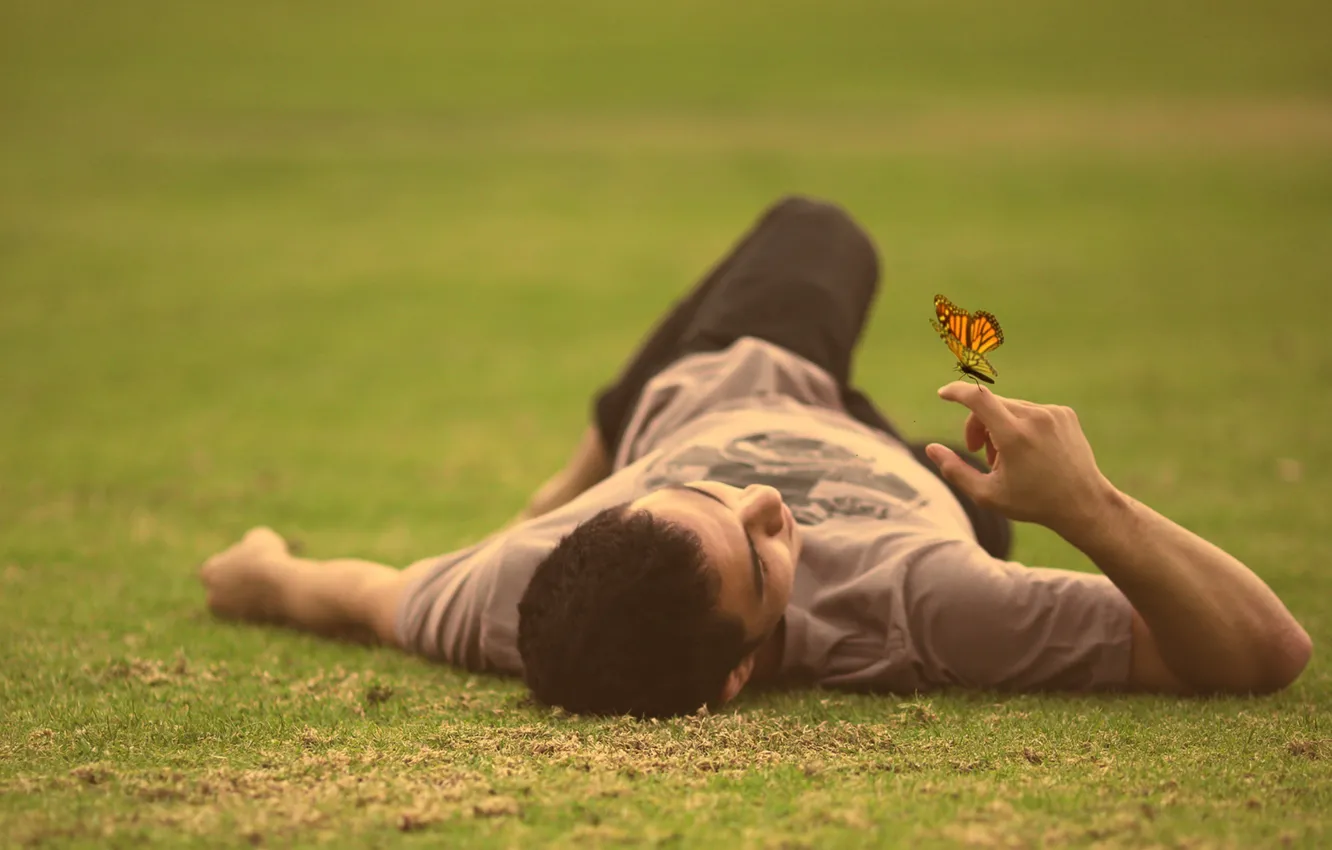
[737, 678]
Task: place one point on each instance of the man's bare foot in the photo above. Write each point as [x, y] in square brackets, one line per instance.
[240, 579]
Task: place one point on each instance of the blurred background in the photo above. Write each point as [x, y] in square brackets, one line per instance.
[356, 269]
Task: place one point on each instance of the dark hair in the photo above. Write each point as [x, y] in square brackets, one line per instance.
[621, 618]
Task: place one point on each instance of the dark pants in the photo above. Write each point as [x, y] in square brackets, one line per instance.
[803, 278]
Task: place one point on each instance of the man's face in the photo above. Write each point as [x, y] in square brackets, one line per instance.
[749, 537]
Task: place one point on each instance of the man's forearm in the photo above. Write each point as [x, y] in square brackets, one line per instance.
[1217, 626]
[258, 579]
[344, 598]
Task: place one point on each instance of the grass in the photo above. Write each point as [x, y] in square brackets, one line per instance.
[356, 274]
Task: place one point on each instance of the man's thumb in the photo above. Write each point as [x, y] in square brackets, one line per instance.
[957, 471]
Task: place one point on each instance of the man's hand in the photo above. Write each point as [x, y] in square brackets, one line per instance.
[1042, 467]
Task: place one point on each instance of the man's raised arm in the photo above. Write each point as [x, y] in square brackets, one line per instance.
[1204, 622]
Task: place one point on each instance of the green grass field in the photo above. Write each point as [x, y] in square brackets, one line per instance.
[356, 273]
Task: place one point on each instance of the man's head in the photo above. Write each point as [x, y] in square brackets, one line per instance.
[657, 607]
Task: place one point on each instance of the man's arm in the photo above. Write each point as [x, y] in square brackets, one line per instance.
[1204, 622]
[259, 580]
[588, 465]
[1202, 614]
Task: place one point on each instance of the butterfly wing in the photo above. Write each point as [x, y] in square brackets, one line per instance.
[969, 336]
[973, 363]
[968, 361]
[978, 331]
[952, 317]
[983, 333]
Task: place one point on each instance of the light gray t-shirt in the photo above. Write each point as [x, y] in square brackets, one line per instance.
[892, 592]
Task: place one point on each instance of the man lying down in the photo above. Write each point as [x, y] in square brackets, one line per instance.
[737, 512]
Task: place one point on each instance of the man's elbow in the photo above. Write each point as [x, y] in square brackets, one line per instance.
[1282, 657]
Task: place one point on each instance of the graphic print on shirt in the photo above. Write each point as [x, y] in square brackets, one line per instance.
[817, 480]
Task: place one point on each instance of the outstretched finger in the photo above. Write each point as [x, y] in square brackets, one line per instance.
[991, 409]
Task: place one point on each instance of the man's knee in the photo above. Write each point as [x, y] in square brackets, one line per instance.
[811, 211]
[799, 220]
[823, 219]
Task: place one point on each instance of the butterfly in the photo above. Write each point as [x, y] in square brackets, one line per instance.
[969, 336]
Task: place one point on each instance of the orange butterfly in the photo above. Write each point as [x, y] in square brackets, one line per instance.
[969, 336]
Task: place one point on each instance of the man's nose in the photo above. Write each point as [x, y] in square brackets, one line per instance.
[763, 504]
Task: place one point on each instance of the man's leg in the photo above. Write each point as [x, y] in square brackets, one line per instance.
[662, 346]
[259, 580]
[803, 278]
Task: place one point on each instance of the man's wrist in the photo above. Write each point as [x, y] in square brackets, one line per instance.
[1090, 519]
